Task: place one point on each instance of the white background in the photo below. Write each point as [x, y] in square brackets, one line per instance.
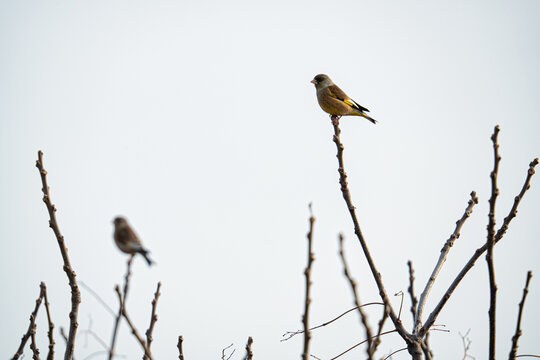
[197, 122]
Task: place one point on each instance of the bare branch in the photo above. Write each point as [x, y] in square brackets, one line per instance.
[130, 324]
[352, 283]
[290, 334]
[517, 334]
[307, 273]
[466, 345]
[223, 353]
[394, 352]
[121, 307]
[50, 354]
[414, 300]
[31, 326]
[360, 343]
[97, 297]
[491, 243]
[442, 258]
[479, 251]
[249, 353]
[180, 349]
[75, 293]
[153, 319]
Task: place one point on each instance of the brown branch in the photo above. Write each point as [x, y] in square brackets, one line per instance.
[517, 334]
[180, 349]
[442, 258]
[130, 324]
[352, 283]
[307, 273]
[33, 346]
[414, 349]
[249, 353]
[50, 354]
[31, 326]
[290, 334]
[491, 243]
[414, 300]
[75, 293]
[153, 319]
[121, 307]
[360, 343]
[223, 352]
[394, 352]
[479, 252]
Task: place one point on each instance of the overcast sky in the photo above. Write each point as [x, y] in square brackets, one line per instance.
[197, 121]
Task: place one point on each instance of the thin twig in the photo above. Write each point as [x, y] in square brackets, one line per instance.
[491, 243]
[97, 297]
[249, 353]
[414, 300]
[442, 258]
[75, 293]
[400, 293]
[31, 326]
[180, 349]
[360, 343]
[394, 352]
[50, 354]
[223, 352]
[307, 273]
[517, 334]
[33, 346]
[130, 324]
[290, 334]
[479, 252]
[352, 283]
[153, 318]
[121, 307]
[413, 345]
[466, 345]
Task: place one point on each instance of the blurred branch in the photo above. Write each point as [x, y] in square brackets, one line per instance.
[480, 251]
[517, 334]
[180, 349]
[31, 326]
[223, 353]
[370, 350]
[491, 243]
[466, 345]
[97, 297]
[121, 307]
[442, 258]
[360, 343]
[307, 273]
[33, 346]
[249, 353]
[153, 319]
[130, 324]
[53, 224]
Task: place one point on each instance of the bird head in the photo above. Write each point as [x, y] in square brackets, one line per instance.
[321, 81]
[119, 222]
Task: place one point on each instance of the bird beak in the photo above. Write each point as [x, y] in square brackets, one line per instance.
[314, 82]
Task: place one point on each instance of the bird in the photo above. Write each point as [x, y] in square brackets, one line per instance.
[127, 240]
[334, 101]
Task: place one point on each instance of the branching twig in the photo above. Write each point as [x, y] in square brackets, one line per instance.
[249, 353]
[517, 334]
[479, 251]
[223, 352]
[491, 243]
[153, 318]
[290, 334]
[307, 273]
[442, 258]
[75, 293]
[466, 345]
[31, 326]
[412, 343]
[370, 350]
[130, 324]
[180, 349]
[121, 307]
[360, 343]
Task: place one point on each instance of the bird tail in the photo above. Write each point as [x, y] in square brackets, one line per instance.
[144, 253]
[369, 118]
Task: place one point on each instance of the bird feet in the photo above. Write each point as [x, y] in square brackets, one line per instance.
[335, 119]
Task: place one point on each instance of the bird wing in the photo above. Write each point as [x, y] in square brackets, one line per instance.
[339, 94]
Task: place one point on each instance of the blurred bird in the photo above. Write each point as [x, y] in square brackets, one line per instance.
[126, 239]
[334, 101]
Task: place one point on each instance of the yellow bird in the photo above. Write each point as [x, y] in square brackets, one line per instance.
[334, 101]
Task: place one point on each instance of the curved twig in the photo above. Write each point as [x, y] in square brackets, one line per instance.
[517, 334]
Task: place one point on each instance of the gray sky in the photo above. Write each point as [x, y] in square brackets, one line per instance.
[197, 121]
